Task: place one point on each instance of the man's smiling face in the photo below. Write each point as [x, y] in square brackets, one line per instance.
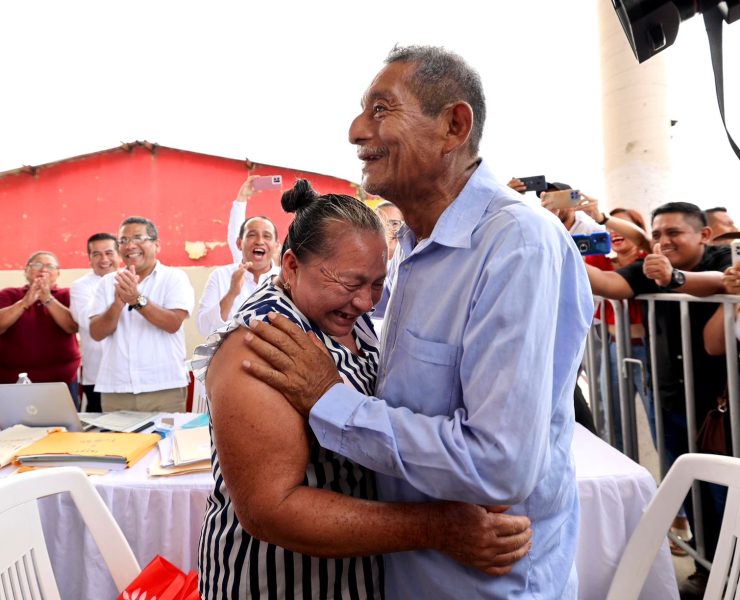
[258, 244]
[139, 250]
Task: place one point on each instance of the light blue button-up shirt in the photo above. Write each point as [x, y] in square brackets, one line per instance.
[484, 331]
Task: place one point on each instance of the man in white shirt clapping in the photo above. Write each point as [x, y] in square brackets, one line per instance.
[139, 312]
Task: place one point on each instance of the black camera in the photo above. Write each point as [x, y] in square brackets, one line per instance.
[596, 243]
[652, 25]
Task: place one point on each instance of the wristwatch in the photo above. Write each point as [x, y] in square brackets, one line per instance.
[141, 302]
[677, 280]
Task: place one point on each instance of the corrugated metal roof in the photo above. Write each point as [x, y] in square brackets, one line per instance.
[152, 147]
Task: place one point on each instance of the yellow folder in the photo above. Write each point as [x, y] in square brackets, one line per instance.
[102, 449]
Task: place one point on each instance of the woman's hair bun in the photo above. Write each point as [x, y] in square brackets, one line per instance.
[298, 197]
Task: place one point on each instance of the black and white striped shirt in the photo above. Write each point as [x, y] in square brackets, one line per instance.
[232, 563]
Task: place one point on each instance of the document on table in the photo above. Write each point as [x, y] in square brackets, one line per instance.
[120, 420]
[18, 437]
[185, 451]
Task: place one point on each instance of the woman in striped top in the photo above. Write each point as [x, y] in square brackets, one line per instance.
[287, 518]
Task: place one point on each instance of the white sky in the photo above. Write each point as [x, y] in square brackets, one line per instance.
[279, 82]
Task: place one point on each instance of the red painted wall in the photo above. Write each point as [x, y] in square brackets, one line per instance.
[187, 195]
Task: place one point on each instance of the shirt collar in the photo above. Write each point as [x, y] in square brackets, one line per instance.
[156, 268]
[456, 224]
[274, 270]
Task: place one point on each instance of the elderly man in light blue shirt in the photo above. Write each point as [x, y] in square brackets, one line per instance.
[485, 326]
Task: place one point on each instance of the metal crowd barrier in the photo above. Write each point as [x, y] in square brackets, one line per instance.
[599, 337]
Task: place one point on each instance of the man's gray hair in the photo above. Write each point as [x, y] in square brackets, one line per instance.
[38, 253]
[441, 78]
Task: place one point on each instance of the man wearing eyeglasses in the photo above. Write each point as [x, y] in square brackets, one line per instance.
[140, 310]
[102, 251]
[392, 219]
[37, 331]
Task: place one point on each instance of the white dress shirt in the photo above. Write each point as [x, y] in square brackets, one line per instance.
[139, 357]
[81, 295]
[208, 318]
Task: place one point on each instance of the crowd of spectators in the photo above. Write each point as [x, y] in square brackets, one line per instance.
[687, 251]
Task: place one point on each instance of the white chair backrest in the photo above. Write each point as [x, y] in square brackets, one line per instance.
[25, 569]
[653, 527]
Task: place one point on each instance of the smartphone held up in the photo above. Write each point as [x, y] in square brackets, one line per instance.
[562, 199]
[735, 252]
[267, 182]
[535, 183]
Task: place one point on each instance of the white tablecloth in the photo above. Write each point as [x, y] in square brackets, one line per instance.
[614, 492]
[164, 515]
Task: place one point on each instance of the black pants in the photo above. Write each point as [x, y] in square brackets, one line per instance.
[93, 398]
[583, 412]
[713, 496]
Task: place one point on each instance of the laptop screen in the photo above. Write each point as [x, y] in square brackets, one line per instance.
[38, 405]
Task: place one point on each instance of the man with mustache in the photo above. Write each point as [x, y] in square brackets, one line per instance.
[484, 331]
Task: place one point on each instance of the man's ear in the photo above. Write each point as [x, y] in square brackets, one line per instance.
[706, 234]
[239, 242]
[458, 120]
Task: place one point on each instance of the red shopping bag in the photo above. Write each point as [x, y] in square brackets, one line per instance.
[161, 580]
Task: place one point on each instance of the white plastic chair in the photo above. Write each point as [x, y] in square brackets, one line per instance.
[653, 527]
[25, 568]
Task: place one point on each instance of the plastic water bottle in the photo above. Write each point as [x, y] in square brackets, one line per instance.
[23, 378]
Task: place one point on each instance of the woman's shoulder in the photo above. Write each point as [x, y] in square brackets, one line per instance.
[268, 299]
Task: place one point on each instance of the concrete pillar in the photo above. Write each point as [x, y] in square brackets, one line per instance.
[635, 121]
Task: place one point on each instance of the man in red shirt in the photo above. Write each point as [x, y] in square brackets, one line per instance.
[37, 331]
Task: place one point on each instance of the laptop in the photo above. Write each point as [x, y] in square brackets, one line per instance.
[38, 405]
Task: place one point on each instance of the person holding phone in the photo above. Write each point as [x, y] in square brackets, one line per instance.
[238, 212]
[681, 260]
[230, 285]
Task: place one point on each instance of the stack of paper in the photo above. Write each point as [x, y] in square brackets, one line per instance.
[185, 451]
[17, 437]
[113, 451]
[120, 420]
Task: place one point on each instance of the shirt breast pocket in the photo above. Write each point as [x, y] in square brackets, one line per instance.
[430, 374]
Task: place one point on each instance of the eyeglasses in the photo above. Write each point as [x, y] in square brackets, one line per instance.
[137, 239]
[393, 224]
[38, 266]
